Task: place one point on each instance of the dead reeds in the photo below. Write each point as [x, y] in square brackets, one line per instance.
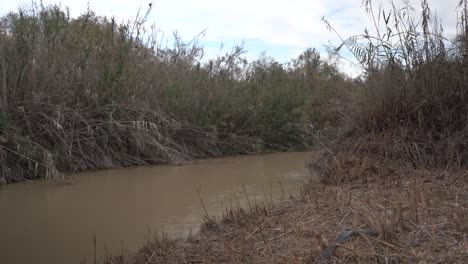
[89, 93]
[393, 163]
[411, 103]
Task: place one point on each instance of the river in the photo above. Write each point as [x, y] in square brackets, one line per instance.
[56, 222]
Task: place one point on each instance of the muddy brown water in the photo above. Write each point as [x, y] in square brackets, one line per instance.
[50, 222]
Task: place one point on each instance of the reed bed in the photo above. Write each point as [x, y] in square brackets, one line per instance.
[89, 92]
[391, 169]
[411, 104]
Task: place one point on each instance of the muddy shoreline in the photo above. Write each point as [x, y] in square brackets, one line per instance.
[418, 216]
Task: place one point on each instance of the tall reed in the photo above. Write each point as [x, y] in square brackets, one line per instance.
[89, 92]
[413, 98]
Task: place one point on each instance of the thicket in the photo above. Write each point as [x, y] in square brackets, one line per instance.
[411, 104]
[90, 93]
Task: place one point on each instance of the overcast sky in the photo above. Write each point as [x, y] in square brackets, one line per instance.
[282, 28]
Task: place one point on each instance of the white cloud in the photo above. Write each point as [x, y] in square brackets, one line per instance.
[290, 25]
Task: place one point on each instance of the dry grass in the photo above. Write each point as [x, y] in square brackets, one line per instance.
[421, 217]
[413, 97]
[91, 93]
[394, 164]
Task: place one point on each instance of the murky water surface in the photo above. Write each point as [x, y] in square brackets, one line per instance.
[46, 222]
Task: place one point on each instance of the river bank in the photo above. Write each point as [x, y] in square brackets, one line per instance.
[419, 216]
[392, 166]
[86, 93]
[389, 184]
